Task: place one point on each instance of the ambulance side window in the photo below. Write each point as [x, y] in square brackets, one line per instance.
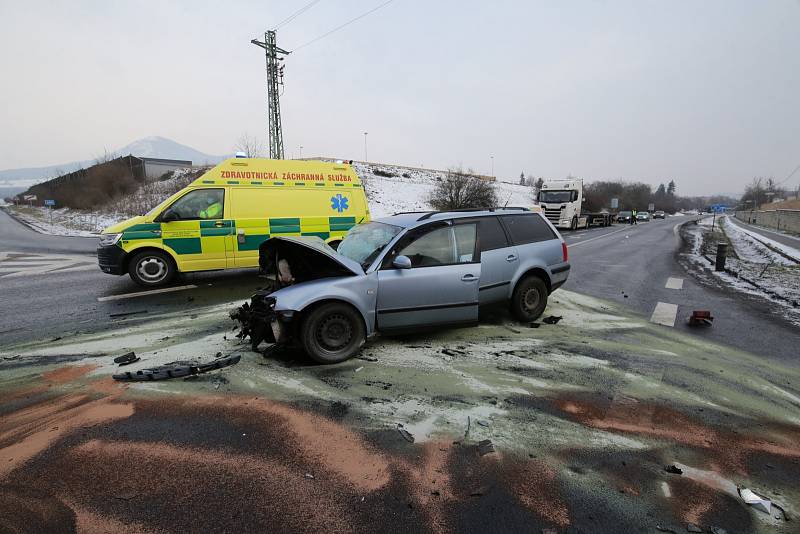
[200, 204]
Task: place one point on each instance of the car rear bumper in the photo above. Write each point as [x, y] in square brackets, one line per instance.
[558, 275]
[111, 259]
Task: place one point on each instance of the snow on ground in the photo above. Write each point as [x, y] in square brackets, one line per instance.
[749, 238]
[390, 189]
[772, 272]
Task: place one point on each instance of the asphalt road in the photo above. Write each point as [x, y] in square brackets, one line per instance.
[631, 265]
[53, 287]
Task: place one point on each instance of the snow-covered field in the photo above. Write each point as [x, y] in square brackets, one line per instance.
[392, 190]
[759, 244]
[777, 278]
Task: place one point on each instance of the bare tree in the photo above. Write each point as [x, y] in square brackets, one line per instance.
[462, 189]
[251, 146]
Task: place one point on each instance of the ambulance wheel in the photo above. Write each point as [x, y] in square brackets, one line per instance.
[151, 268]
[332, 333]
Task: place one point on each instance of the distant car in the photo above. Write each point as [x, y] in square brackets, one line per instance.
[624, 217]
[659, 215]
[642, 216]
[405, 272]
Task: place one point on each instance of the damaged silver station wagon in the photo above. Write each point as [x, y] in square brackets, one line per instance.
[400, 273]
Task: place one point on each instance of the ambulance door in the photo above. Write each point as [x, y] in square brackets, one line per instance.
[251, 208]
[194, 229]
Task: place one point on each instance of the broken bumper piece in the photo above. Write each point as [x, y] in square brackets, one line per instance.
[177, 370]
[260, 321]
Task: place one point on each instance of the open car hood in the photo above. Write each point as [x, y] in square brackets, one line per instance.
[315, 245]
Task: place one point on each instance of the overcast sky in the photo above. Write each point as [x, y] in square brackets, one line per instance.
[703, 92]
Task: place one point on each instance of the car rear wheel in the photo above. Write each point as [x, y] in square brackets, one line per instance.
[529, 299]
[151, 268]
[332, 333]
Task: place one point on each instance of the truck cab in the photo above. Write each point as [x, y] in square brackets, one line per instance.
[561, 201]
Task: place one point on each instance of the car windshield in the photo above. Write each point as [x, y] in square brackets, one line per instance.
[364, 242]
[555, 196]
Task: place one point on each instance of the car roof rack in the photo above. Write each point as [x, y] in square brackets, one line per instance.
[430, 214]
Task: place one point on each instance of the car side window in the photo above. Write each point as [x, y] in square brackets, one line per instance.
[465, 235]
[436, 247]
[491, 233]
[528, 228]
[200, 204]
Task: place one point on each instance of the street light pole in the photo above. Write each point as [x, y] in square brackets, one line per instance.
[301, 152]
[492, 158]
[365, 147]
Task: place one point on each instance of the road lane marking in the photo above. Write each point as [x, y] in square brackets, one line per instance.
[665, 314]
[598, 237]
[674, 283]
[143, 293]
[17, 264]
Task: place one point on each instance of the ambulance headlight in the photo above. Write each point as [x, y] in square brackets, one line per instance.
[106, 240]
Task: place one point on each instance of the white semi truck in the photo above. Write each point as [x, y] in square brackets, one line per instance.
[562, 204]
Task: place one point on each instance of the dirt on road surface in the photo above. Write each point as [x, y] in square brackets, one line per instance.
[582, 416]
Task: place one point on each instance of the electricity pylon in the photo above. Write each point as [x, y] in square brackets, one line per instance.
[274, 80]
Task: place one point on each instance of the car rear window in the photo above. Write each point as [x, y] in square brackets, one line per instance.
[529, 228]
[491, 233]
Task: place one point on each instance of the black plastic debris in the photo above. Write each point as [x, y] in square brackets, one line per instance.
[125, 358]
[176, 370]
[405, 433]
[534, 325]
[130, 362]
[675, 470]
[553, 319]
[485, 447]
[126, 314]
[453, 352]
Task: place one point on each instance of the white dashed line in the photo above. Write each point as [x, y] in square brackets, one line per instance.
[674, 283]
[664, 314]
[143, 293]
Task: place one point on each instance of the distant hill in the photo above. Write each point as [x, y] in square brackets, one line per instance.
[148, 147]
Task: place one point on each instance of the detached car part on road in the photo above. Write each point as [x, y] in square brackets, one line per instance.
[402, 273]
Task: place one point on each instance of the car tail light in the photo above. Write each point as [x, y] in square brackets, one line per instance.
[564, 250]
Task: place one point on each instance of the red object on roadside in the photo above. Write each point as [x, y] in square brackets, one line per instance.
[701, 318]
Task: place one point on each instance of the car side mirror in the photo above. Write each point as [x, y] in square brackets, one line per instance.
[402, 262]
[168, 215]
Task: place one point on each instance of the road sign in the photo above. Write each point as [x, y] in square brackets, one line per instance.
[614, 203]
[29, 197]
[651, 207]
[49, 202]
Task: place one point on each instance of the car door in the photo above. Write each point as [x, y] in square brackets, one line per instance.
[499, 260]
[440, 287]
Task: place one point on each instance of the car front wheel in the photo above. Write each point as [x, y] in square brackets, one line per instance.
[151, 268]
[332, 333]
[529, 299]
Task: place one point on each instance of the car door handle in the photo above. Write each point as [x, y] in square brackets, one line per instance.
[511, 257]
[469, 278]
[219, 224]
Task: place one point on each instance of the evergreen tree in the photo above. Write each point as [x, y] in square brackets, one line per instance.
[671, 188]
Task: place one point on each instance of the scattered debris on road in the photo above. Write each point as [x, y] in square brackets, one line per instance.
[176, 370]
[485, 447]
[552, 319]
[255, 318]
[675, 470]
[757, 502]
[405, 433]
[126, 314]
[128, 357]
[534, 325]
[701, 318]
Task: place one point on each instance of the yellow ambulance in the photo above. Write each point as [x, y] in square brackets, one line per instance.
[220, 220]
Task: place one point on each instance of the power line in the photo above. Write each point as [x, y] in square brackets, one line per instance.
[336, 29]
[296, 14]
[790, 175]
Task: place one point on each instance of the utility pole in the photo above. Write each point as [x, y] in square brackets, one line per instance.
[492, 158]
[365, 147]
[274, 79]
[301, 151]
